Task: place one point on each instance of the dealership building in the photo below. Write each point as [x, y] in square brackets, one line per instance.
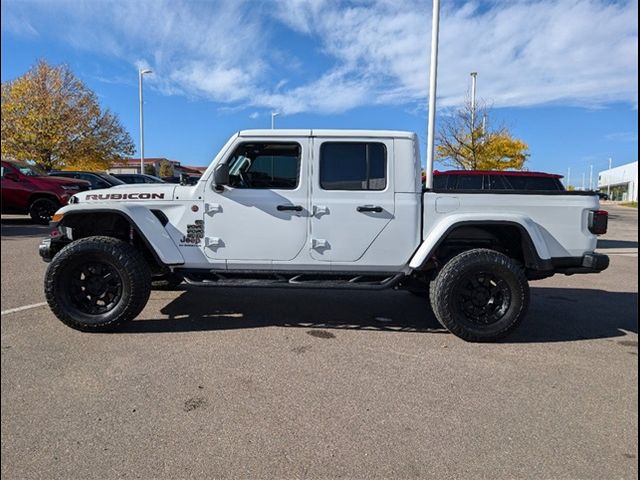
[621, 182]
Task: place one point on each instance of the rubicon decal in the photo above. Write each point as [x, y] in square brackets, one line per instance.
[125, 196]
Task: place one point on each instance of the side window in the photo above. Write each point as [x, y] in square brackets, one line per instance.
[495, 182]
[353, 166]
[469, 182]
[265, 166]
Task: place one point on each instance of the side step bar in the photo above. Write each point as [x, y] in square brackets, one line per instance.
[357, 281]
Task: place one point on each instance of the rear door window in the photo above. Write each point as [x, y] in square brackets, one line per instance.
[353, 166]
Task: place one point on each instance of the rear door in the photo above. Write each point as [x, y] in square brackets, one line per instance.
[351, 194]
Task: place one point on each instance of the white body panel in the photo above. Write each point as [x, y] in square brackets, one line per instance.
[242, 228]
[556, 224]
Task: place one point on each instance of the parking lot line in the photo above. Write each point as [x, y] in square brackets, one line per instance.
[25, 307]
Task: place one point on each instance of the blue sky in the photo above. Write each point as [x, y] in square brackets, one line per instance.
[561, 74]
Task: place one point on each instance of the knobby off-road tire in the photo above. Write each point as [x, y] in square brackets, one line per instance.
[42, 209]
[97, 283]
[480, 295]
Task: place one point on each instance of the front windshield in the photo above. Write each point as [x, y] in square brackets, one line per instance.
[29, 170]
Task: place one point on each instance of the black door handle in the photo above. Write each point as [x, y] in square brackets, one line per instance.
[369, 208]
[284, 208]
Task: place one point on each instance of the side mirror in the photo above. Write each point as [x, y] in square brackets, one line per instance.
[221, 175]
[12, 176]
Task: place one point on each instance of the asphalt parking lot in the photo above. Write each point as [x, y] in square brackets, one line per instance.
[295, 384]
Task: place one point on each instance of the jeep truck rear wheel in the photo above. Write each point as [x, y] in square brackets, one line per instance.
[480, 295]
[97, 283]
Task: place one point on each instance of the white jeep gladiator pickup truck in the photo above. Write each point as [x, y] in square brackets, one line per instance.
[319, 209]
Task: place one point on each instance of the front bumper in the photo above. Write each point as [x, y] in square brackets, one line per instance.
[45, 250]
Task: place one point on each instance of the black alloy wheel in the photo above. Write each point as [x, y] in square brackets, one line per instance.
[482, 297]
[94, 287]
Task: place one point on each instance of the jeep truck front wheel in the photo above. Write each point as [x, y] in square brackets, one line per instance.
[97, 283]
[480, 295]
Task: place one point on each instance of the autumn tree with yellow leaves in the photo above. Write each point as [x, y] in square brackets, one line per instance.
[50, 117]
[465, 141]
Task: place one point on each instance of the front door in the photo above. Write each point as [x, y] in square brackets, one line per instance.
[262, 214]
[352, 196]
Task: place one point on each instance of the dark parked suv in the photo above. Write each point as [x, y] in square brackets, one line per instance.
[496, 180]
[26, 189]
[96, 179]
[137, 178]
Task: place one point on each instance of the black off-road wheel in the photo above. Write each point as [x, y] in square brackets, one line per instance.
[480, 295]
[97, 283]
[42, 209]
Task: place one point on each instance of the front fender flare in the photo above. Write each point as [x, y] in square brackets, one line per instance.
[144, 222]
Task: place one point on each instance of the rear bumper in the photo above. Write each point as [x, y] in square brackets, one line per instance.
[589, 263]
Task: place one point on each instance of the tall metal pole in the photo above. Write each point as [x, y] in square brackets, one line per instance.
[273, 119]
[609, 180]
[141, 72]
[433, 78]
[591, 177]
[474, 80]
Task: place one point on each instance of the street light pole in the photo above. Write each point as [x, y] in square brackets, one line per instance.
[273, 119]
[474, 79]
[433, 77]
[609, 180]
[141, 72]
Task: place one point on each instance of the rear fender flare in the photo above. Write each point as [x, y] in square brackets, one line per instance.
[536, 250]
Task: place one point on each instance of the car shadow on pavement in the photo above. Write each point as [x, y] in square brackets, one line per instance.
[22, 227]
[555, 314]
[238, 308]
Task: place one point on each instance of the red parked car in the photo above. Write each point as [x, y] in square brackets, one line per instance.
[26, 189]
[496, 180]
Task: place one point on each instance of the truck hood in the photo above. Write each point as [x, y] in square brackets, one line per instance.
[129, 193]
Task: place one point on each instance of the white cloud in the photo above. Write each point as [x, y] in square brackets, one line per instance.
[577, 52]
[17, 24]
[622, 136]
[526, 52]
